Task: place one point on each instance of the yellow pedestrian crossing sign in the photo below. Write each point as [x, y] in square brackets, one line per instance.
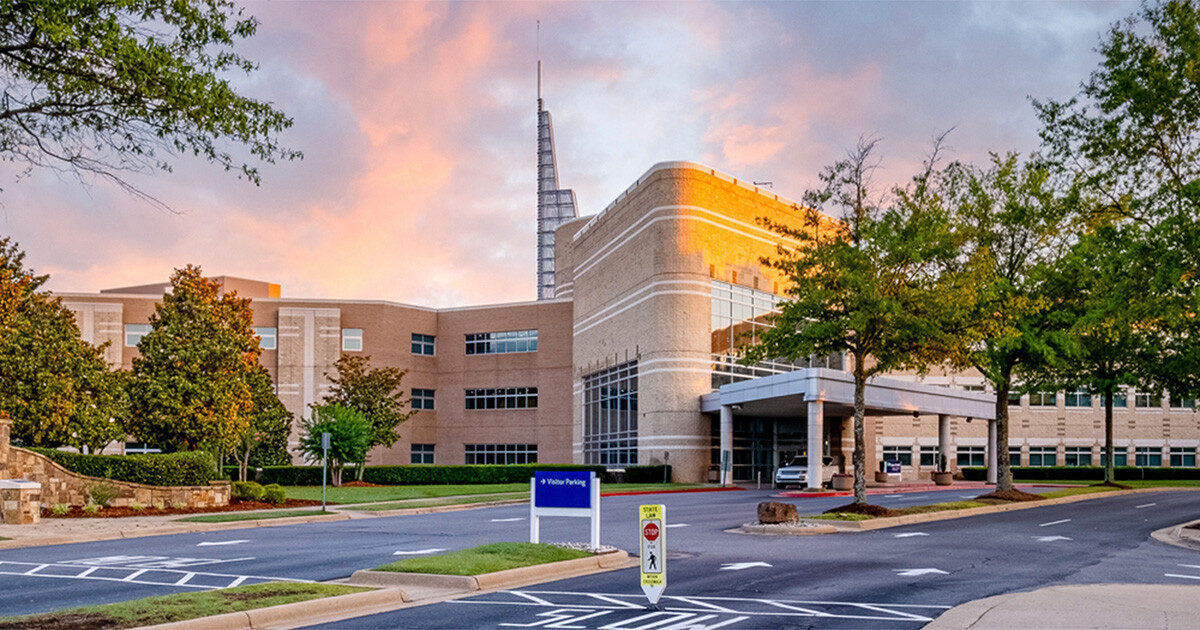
[652, 524]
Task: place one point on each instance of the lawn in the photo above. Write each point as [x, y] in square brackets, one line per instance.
[485, 559]
[1132, 483]
[179, 607]
[403, 493]
[226, 517]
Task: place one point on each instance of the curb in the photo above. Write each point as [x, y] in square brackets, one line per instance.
[911, 519]
[776, 530]
[1180, 536]
[288, 613]
[685, 490]
[510, 578]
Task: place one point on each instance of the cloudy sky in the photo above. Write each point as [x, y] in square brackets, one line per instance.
[417, 121]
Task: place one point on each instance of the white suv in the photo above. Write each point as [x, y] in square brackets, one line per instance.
[795, 473]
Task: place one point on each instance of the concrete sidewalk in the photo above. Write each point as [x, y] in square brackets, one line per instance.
[1091, 607]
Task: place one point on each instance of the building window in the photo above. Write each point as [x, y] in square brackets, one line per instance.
[928, 456]
[1079, 398]
[1014, 456]
[352, 339]
[502, 342]
[739, 315]
[1079, 455]
[974, 388]
[610, 413]
[971, 456]
[1014, 399]
[140, 448]
[1183, 403]
[1147, 400]
[1119, 401]
[1183, 457]
[266, 338]
[502, 398]
[902, 454]
[1120, 456]
[422, 399]
[134, 333]
[501, 453]
[1042, 456]
[422, 344]
[1042, 399]
[1147, 456]
[422, 454]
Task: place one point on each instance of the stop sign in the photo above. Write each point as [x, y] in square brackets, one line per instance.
[650, 531]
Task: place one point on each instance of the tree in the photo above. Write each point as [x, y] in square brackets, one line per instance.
[1010, 216]
[349, 437]
[265, 439]
[872, 285]
[56, 387]
[1132, 136]
[106, 87]
[191, 385]
[375, 392]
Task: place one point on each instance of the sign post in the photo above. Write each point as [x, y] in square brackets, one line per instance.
[564, 493]
[324, 463]
[652, 533]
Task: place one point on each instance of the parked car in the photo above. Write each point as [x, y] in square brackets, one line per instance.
[795, 473]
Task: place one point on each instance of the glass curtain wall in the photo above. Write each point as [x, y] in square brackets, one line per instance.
[610, 416]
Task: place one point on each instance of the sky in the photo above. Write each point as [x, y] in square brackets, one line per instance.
[418, 125]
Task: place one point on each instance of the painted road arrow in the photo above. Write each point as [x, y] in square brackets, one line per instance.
[1050, 538]
[911, 534]
[738, 566]
[918, 572]
[221, 542]
[417, 552]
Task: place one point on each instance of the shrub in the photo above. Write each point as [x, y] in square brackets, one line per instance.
[1087, 473]
[247, 491]
[91, 508]
[102, 493]
[420, 475]
[191, 468]
[647, 474]
[274, 493]
[136, 507]
[60, 509]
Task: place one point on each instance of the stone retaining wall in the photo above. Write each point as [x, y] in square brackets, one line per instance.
[59, 485]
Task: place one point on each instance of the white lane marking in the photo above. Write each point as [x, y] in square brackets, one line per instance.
[892, 496]
[169, 577]
[185, 579]
[738, 566]
[131, 576]
[221, 542]
[1065, 520]
[911, 534]
[1191, 566]
[557, 618]
[1050, 538]
[1189, 577]
[508, 520]
[416, 552]
[676, 525]
[919, 572]
[1138, 507]
[967, 496]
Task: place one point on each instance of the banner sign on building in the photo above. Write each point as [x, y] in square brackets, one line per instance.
[652, 533]
[564, 493]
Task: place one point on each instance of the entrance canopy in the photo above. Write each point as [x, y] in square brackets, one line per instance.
[784, 395]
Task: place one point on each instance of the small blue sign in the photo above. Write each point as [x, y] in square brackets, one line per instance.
[893, 466]
[563, 489]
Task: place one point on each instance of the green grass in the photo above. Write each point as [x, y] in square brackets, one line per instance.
[182, 606]
[959, 505]
[485, 559]
[425, 503]
[1070, 492]
[404, 493]
[1157, 483]
[226, 517]
[839, 516]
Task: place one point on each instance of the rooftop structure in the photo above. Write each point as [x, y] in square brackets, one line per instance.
[555, 205]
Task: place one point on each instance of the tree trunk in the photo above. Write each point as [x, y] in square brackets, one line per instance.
[335, 474]
[1110, 461]
[1004, 479]
[860, 455]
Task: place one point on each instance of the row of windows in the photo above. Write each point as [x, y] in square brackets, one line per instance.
[1081, 399]
[502, 342]
[501, 453]
[502, 398]
[1041, 456]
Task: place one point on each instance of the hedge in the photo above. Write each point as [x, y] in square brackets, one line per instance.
[192, 468]
[422, 474]
[647, 474]
[1088, 473]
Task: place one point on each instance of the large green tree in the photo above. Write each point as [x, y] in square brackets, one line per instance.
[55, 386]
[1010, 216]
[105, 87]
[376, 392]
[191, 385]
[872, 284]
[1132, 136]
[349, 437]
[264, 442]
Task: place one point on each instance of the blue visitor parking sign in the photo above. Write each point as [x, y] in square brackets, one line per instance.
[560, 489]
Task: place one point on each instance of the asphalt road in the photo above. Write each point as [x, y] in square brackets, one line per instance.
[896, 576]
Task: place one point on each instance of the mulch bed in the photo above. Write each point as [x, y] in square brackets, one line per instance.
[863, 508]
[1011, 495]
[64, 621]
[361, 484]
[236, 505]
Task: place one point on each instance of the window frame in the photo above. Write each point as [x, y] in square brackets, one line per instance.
[422, 398]
[139, 330]
[263, 337]
[349, 336]
[421, 343]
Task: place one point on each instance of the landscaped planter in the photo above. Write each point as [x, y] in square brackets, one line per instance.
[843, 483]
[943, 478]
[881, 477]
